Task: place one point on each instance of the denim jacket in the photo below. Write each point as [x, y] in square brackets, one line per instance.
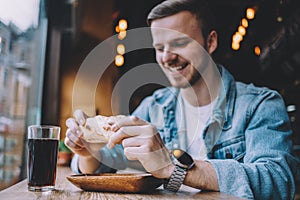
[248, 138]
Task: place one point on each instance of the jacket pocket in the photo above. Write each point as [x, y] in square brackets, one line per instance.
[233, 148]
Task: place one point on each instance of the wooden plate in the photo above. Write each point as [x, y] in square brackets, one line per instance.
[110, 182]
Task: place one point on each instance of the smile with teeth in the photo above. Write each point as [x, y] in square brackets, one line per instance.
[175, 68]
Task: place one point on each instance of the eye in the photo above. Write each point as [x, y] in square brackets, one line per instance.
[159, 48]
[180, 43]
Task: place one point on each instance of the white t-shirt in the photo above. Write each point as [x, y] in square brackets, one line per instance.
[196, 118]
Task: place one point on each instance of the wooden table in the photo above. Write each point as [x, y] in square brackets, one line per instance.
[66, 190]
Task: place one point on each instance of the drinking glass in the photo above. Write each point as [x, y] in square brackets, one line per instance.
[42, 157]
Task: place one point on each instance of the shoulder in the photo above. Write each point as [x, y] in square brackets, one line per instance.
[251, 90]
[246, 91]
[252, 97]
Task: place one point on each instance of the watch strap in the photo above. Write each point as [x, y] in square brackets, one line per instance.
[176, 179]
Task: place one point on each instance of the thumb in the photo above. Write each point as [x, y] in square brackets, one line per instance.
[80, 116]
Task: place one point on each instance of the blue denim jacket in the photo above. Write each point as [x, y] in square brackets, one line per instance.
[248, 138]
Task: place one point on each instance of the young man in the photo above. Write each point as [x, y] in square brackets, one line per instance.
[238, 135]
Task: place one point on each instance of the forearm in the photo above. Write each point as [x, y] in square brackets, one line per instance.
[202, 176]
[107, 161]
[88, 164]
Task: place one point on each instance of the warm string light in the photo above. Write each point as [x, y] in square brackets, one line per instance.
[279, 16]
[119, 60]
[122, 35]
[121, 30]
[117, 29]
[242, 30]
[244, 23]
[235, 46]
[123, 25]
[257, 50]
[238, 36]
[250, 13]
[279, 19]
[121, 49]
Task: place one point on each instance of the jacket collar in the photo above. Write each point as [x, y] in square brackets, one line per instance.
[223, 109]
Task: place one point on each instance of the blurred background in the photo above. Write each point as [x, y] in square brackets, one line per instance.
[44, 42]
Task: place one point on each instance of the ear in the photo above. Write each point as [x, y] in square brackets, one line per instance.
[212, 41]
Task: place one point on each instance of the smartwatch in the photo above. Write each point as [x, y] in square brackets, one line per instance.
[183, 162]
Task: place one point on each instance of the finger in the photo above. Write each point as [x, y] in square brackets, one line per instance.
[73, 126]
[71, 145]
[133, 142]
[128, 121]
[146, 144]
[151, 160]
[131, 153]
[80, 116]
[144, 131]
[141, 152]
[74, 138]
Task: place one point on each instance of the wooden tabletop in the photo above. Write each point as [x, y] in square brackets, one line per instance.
[66, 190]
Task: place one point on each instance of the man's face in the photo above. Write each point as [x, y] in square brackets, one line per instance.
[179, 42]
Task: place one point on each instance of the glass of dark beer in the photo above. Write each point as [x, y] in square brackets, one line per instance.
[42, 157]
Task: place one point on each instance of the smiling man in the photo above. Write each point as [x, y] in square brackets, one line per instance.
[207, 131]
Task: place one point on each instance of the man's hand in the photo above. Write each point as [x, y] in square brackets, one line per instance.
[142, 142]
[73, 136]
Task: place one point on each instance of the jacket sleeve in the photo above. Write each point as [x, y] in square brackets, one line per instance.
[142, 110]
[111, 160]
[268, 167]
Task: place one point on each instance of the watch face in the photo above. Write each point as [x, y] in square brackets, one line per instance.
[183, 157]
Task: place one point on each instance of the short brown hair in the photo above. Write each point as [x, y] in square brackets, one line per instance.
[200, 8]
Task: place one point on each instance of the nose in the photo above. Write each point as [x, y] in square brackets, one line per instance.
[168, 56]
